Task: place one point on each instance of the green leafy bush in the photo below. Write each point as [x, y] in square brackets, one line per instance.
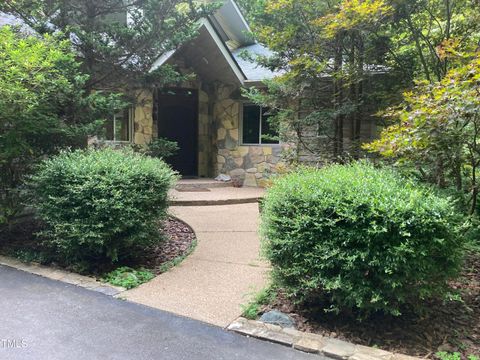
[128, 278]
[162, 148]
[101, 205]
[361, 238]
[43, 107]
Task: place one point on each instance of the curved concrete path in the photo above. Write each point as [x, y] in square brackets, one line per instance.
[213, 282]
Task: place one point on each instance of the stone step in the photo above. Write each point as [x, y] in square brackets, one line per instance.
[195, 184]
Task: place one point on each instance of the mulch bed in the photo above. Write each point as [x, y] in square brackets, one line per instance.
[178, 242]
[451, 327]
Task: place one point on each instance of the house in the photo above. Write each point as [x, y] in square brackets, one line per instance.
[217, 130]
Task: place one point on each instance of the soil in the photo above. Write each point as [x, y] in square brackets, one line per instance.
[177, 241]
[452, 327]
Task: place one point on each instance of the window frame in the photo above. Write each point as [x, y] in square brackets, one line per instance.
[240, 130]
[131, 127]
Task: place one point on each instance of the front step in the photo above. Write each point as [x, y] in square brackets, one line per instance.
[196, 184]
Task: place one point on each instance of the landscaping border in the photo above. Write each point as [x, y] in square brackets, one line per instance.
[57, 274]
[312, 343]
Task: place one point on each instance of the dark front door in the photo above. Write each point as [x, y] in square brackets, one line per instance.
[177, 116]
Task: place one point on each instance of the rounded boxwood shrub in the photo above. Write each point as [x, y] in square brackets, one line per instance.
[100, 205]
[358, 238]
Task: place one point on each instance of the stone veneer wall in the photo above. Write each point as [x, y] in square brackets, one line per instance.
[219, 147]
[143, 126]
[250, 164]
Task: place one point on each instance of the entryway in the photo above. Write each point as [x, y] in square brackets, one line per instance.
[177, 119]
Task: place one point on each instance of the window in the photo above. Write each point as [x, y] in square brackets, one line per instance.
[119, 127]
[256, 129]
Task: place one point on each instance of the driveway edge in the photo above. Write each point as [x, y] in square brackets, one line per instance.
[67, 277]
[312, 343]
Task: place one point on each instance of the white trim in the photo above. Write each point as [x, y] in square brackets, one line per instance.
[162, 60]
[240, 15]
[225, 52]
[130, 125]
[240, 128]
[221, 46]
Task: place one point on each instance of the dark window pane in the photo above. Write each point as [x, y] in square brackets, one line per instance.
[269, 132]
[109, 129]
[117, 128]
[122, 129]
[251, 124]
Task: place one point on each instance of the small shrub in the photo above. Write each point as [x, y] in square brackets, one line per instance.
[128, 278]
[159, 148]
[101, 205]
[361, 238]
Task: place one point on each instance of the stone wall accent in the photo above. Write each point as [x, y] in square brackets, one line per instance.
[143, 128]
[251, 165]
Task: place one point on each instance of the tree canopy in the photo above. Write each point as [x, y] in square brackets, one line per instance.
[117, 41]
[43, 107]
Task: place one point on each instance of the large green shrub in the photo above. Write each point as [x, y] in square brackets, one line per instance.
[43, 107]
[361, 238]
[101, 205]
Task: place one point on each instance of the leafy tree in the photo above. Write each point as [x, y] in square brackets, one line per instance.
[327, 55]
[43, 106]
[117, 41]
[417, 29]
[345, 59]
[437, 129]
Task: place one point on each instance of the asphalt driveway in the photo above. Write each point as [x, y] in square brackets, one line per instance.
[46, 319]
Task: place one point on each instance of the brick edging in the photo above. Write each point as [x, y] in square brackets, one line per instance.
[312, 343]
[86, 282]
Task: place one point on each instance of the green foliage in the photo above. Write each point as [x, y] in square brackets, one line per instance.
[372, 50]
[360, 238]
[437, 129]
[128, 278]
[442, 355]
[42, 108]
[117, 41]
[101, 205]
[159, 148]
[29, 255]
[263, 297]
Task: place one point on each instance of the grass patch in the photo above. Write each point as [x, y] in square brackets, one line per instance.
[252, 309]
[127, 277]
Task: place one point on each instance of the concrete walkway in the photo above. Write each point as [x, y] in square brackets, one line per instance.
[217, 278]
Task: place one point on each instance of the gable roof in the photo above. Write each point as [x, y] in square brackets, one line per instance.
[230, 32]
[232, 35]
[232, 26]
[207, 29]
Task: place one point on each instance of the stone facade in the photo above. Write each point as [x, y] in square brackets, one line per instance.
[219, 144]
[143, 127]
[249, 164]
